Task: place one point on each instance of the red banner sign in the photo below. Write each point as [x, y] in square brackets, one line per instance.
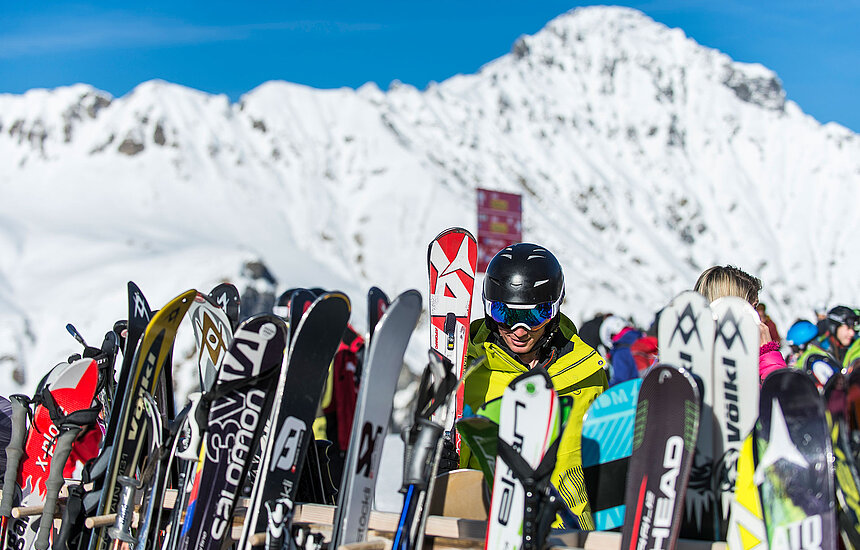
[499, 223]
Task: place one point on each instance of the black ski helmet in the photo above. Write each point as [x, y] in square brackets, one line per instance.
[839, 315]
[524, 274]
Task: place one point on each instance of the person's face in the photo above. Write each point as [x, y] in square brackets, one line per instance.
[521, 340]
[844, 335]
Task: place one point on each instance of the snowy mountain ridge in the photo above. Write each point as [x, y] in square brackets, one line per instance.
[642, 158]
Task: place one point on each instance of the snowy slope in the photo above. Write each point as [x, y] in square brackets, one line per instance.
[642, 156]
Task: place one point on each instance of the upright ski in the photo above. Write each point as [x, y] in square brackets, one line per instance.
[736, 392]
[130, 437]
[686, 336]
[793, 464]
[314, 343]
[667, 422]
[607, 443]
[381, 370]
[451, 261]
[238, 407]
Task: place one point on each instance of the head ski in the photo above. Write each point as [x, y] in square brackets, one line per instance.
[667, 418]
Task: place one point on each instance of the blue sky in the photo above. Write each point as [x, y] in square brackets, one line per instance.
[232, 47]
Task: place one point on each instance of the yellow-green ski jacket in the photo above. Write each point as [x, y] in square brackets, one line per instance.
[575, 369]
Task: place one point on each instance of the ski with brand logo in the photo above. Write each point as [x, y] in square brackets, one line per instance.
[746, 523]
[523, 504]
[664, 437]
[127, 446]
[686, 336]
[239, 404]
[451, 262]
[381, 370]
[71, 388]
[793, 472]
[314, 342]
[736, 391]
[226, 297]
[607, 442]
[377, 303]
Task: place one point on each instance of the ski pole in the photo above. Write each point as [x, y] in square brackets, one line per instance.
[121, 530]
[62, 450]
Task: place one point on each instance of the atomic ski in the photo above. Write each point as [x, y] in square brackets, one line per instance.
[793, 472]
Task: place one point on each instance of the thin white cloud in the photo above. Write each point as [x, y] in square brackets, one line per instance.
[123, 30]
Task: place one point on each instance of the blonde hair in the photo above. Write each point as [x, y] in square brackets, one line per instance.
[718, 281]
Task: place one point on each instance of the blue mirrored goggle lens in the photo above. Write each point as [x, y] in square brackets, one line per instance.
[510, 317]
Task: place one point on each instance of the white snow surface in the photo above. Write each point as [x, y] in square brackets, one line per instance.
[642, 158]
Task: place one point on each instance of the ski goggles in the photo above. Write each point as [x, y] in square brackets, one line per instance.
[512, 316]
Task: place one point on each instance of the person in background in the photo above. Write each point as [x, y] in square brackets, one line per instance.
[718, 281]
[765, 318]
[799, 335]
[623, 363]
[836, 336]
[523, 328]
[590, 332]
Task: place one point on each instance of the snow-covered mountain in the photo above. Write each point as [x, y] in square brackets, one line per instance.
[642, 158]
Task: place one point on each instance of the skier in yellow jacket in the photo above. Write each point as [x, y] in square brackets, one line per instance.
[523, 328]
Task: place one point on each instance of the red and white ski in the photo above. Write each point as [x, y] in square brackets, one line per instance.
[452, 261]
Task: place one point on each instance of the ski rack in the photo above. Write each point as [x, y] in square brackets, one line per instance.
[462, 533]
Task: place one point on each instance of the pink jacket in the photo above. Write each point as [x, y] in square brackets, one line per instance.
[769, 359]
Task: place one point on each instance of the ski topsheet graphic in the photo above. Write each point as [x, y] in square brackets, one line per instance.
[239, 405]
[667, 418]
[686, 336]
[451, 262]
[372, 414]
[530, 426]
[314, 342]
[746, 526]
[736, 391]
[213, 333]
[127, 447]
[793, 464]
[607, 442]
[70, 388]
